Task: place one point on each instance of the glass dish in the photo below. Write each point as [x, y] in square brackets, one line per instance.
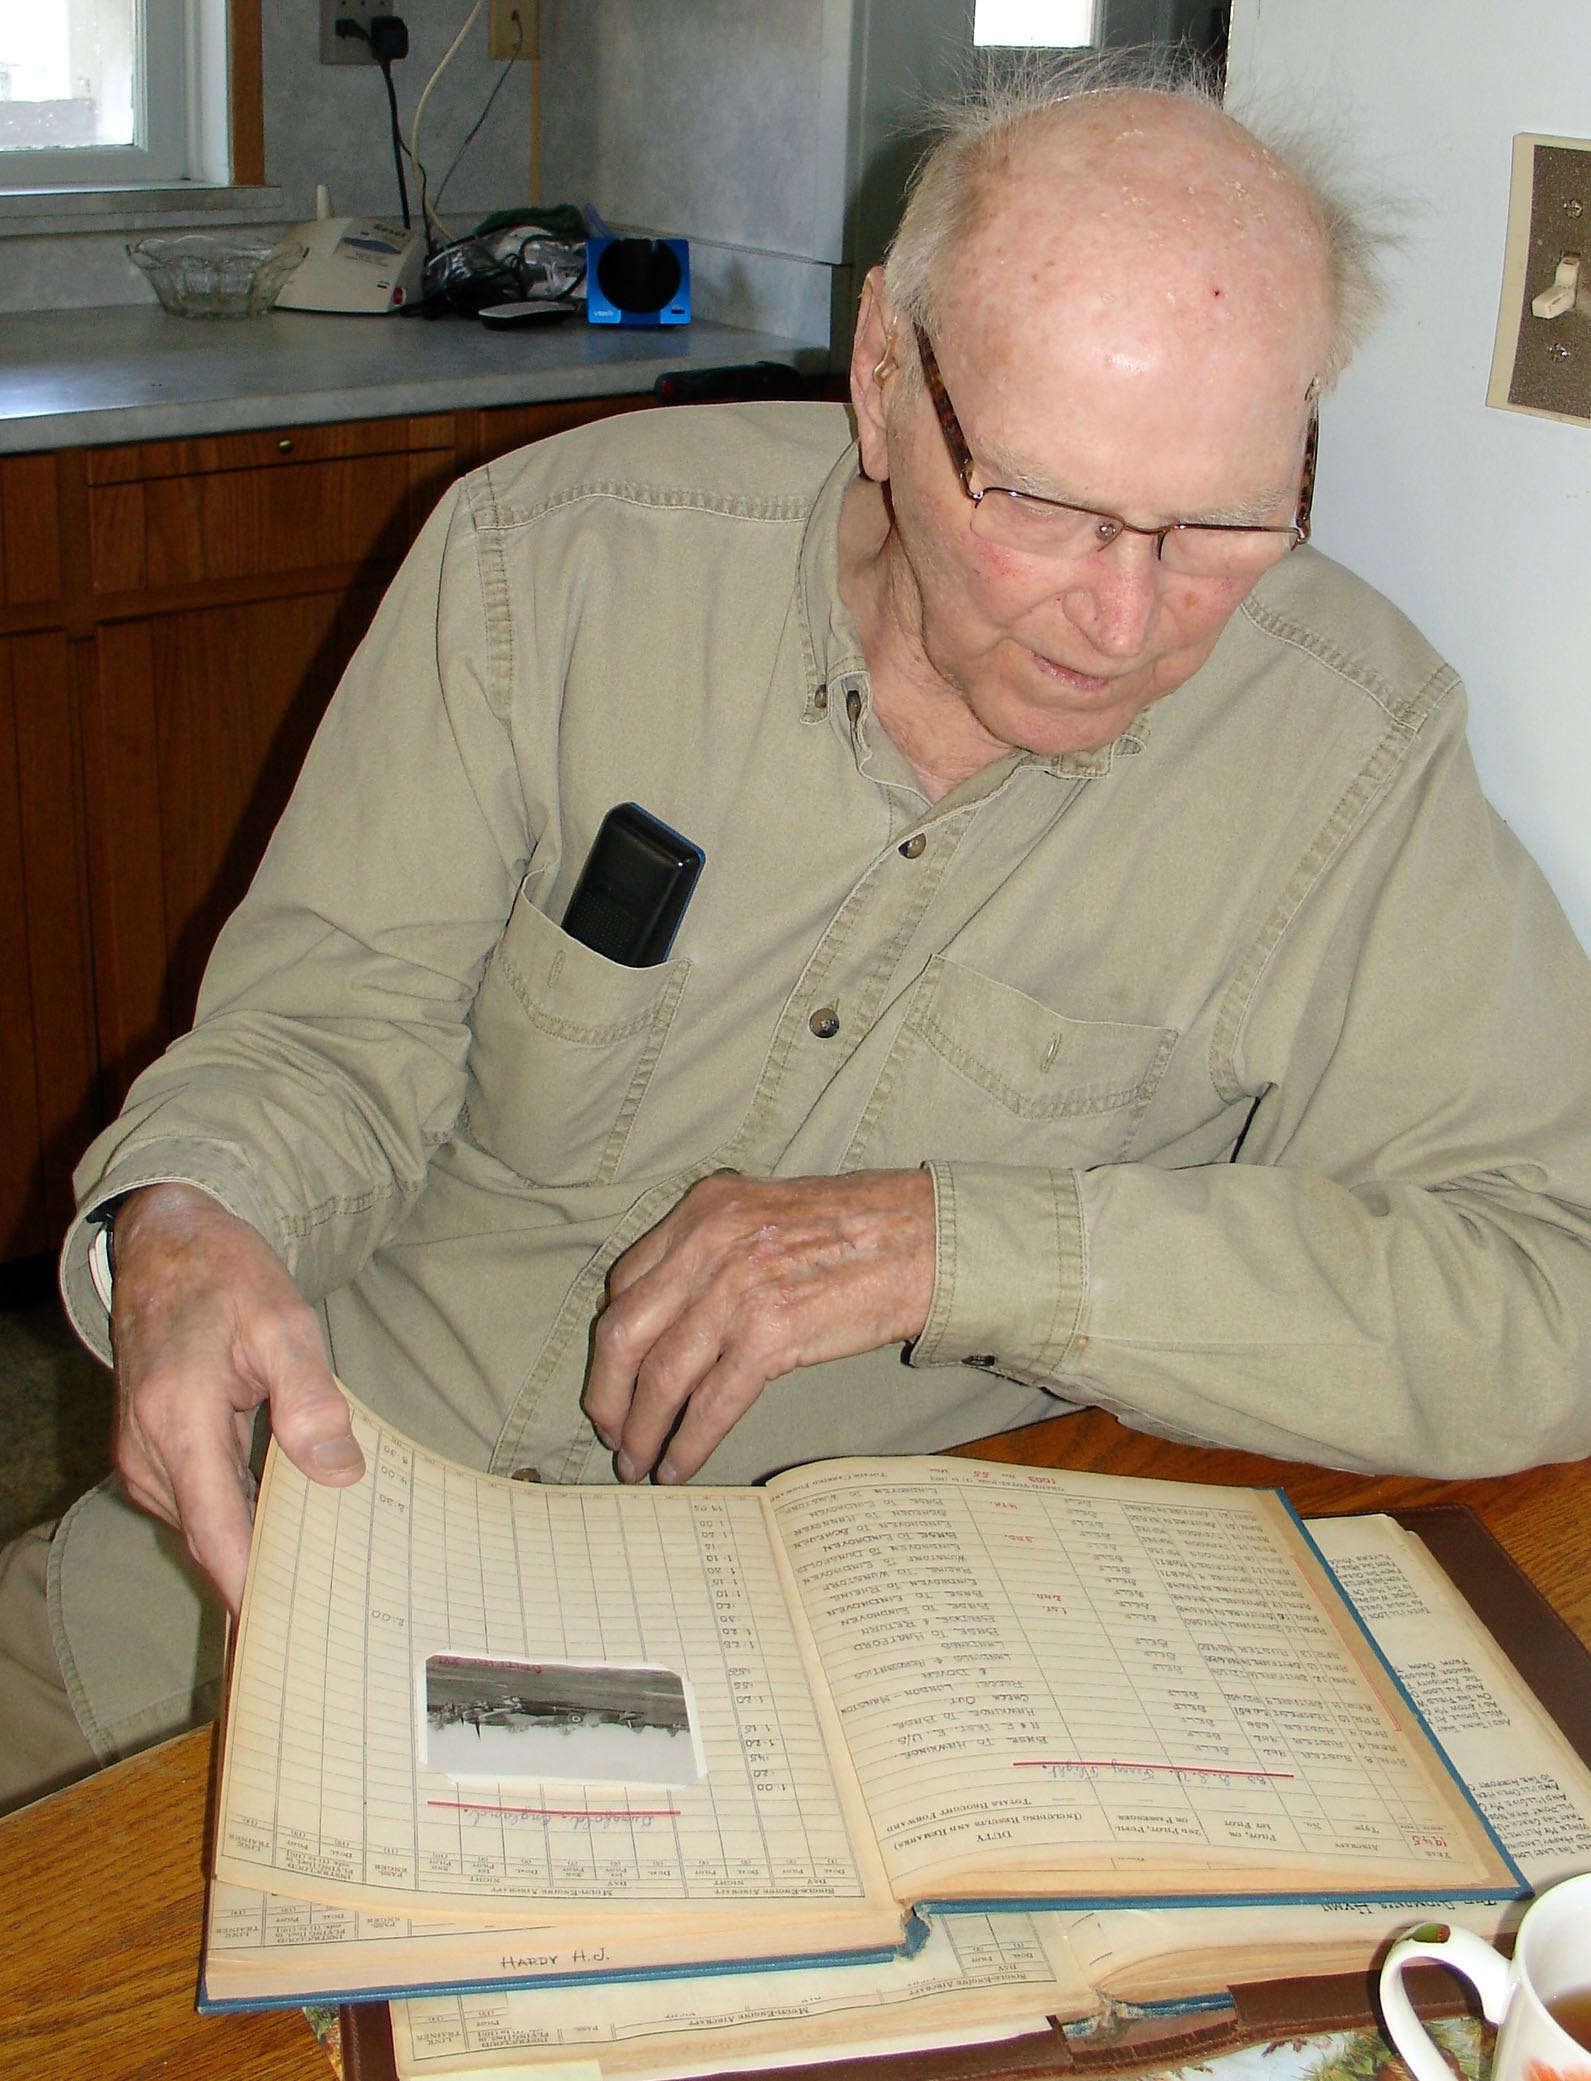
[212, 274]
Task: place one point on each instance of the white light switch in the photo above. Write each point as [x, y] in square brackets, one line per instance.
[1542, 359]
[1559, 300]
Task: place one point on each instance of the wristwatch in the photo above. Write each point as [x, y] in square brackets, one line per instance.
[101, 1249]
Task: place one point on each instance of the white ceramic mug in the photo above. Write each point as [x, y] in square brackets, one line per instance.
[1552, 1958]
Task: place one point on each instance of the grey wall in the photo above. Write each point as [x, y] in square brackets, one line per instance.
[705, 119]
[322, 123]
[766, 133]
[748, 126]
[329, 122]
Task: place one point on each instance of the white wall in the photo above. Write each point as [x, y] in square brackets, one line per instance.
[1476, 521]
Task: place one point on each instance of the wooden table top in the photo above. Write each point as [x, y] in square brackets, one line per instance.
[102, 1886]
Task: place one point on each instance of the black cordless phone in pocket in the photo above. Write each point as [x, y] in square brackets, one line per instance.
[634, 887]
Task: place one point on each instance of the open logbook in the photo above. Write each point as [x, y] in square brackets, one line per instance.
[531, 1733]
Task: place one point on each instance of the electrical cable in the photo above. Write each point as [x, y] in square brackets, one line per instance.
[387, 38]
[501, 81]
[426, 209]
[397, 140]
[535, 126]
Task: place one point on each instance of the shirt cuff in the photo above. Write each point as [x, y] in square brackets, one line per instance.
[1010, 1272]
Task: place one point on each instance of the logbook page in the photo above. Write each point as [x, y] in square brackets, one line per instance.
[327, 1792]
[1074, 1687]
[1525, 1776]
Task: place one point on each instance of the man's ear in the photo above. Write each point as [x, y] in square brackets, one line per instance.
[873, 367]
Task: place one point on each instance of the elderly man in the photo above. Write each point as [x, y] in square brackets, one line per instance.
[1106, 985]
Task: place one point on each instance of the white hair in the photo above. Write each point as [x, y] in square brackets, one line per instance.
[969, 138]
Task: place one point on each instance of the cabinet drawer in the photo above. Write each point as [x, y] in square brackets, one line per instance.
[326, 514]
[141, 460]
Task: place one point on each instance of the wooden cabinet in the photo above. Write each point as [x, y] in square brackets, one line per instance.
[174, 617]
[47, 1049]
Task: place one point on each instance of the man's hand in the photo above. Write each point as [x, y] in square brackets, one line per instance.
[206, 1325]
[748, 1279]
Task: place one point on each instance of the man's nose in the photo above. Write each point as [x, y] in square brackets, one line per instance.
[1111, 595]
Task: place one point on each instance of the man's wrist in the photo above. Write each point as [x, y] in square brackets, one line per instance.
[162, 1196]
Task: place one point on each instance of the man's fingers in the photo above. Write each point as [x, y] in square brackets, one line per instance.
[721, 1399]
[627, 1329]
[660, 1282]
[213, 1503]
[747, 1280]
[672, 1370]
[310, 1421]
[200, 1480]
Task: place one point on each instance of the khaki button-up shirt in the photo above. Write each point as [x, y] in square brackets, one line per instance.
[1249, 1054]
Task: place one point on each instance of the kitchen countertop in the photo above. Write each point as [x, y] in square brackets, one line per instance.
[135, 373]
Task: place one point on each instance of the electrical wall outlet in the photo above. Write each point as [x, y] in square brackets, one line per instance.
[1541, 362]
[349, 50]
[513, 28]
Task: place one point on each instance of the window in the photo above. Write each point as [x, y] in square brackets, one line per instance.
[112, 93]
[1056, 24]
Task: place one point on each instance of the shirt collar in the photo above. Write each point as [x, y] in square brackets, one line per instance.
[831, 649]
[836, 683]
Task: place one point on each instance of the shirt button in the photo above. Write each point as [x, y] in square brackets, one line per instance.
[913, 848]
[820, 701]
[525, 1474]
[853, 705]
[825, 1023]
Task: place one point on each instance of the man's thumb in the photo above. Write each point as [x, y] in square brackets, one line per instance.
[310, 1421]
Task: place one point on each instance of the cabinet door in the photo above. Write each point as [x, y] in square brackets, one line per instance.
[47, 1074]
[46, 1021]
[232, 580]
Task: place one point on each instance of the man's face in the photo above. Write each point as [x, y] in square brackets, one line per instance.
[1056, 655]
[1133, 328]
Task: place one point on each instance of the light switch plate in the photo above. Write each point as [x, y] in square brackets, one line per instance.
[348, 50]
[1543, 365]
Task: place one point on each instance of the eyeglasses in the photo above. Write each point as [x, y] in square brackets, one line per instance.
[1050, 527]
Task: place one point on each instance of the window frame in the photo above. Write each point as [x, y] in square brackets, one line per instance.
[200, 54]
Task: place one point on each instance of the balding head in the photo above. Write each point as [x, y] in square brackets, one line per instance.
[1170, 250]
[1152, 194]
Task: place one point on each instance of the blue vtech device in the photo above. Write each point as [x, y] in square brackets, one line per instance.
[638, 281]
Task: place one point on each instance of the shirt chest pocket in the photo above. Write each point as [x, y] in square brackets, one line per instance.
[564, 1046]
[981, 1072]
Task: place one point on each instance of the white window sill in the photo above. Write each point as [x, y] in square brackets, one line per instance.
[43, 212]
